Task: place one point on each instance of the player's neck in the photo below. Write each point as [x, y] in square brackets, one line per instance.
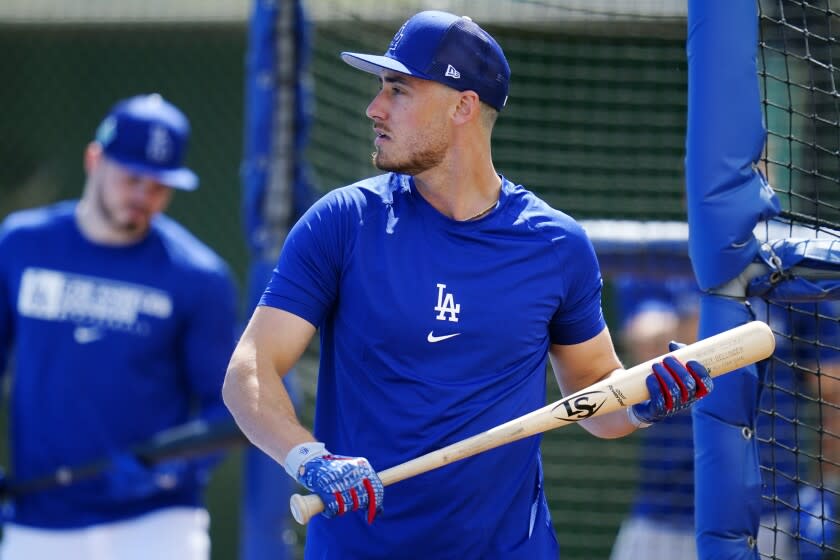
[461, 194]
[95, 226]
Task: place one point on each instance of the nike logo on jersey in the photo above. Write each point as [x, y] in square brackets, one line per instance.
[432, 338]
[85, 335]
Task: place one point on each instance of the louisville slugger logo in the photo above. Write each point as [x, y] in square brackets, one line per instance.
[619, 396]
[579, 406]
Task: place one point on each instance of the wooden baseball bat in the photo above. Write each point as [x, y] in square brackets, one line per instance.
[721, 353]
[192, 439]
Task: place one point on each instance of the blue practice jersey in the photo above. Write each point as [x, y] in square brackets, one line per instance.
[433, 330]
[110, 345]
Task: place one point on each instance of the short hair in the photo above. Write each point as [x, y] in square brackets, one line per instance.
[488, 115]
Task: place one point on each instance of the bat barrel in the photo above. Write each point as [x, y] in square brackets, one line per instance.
[729, 350]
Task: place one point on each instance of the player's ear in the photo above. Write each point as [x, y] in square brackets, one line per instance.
[93, 154]
[468, 107]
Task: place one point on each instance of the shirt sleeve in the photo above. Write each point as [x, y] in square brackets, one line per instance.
[305, 281]
[209, 341]
[579, 316]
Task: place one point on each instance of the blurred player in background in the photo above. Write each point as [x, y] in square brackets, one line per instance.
[661, 524]
[440, 289]
[816, 376]
[120, 324]
[661, 521]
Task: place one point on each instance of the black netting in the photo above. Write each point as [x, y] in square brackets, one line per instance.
[800, 438]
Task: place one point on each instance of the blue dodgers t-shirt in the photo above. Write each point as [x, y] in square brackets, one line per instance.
[434, 330]
[111, 345]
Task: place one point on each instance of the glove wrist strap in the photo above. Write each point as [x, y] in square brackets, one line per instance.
[300, 454]
[635, 420]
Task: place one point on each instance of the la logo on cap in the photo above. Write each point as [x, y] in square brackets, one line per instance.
[159, 145]
[396, 40]
[440, 46]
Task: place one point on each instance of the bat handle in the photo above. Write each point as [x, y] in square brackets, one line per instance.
[304, 507]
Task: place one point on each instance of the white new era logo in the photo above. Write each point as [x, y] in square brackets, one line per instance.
[451, 72]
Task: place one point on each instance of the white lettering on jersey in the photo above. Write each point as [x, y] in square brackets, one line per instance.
[446, 304]
[97, 304]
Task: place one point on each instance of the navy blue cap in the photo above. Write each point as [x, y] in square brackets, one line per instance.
[445, 48]
[148, 135]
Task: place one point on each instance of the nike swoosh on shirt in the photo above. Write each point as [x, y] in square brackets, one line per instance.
[86, 335]
[432, 338]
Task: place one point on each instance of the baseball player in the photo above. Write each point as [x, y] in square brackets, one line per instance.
[440, 288]
[120, 324]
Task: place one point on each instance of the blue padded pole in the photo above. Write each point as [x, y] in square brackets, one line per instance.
[276, 190]
[727, 476]
[726, 199]
[725, 136]
[264, 490]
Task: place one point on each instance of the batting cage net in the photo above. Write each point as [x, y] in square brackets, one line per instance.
[799, 427]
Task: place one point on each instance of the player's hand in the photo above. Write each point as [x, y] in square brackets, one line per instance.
[673, 386]
[343, 483]
[128, 478]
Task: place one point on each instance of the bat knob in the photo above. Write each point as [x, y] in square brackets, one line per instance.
[304, 507]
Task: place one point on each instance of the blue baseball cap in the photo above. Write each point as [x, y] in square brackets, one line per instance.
[148, 135]
[445, 48]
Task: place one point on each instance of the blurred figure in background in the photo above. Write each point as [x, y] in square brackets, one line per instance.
[793, 525]
[120, 323]
[814, 463]
[653, 312]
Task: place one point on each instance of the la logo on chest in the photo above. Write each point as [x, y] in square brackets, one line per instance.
[447, 310]
[446, 305]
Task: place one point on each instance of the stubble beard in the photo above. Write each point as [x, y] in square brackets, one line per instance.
[417, 163]
[127, 226]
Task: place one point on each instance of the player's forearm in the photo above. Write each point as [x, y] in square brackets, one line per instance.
[610, 426]
[578, 366]
[263, 410]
